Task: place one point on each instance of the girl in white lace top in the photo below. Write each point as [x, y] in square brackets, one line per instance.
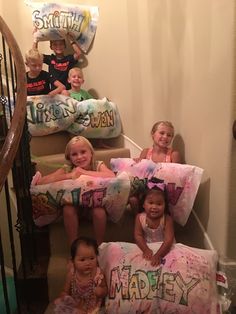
[154, 224]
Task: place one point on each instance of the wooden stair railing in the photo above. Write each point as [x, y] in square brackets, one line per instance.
[12, 140]
[27, 254]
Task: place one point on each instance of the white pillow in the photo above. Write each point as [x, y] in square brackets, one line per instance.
[182, 182]
[50, 114]
[185, 283]
[52, 21]
[91, 118]
[86, 191]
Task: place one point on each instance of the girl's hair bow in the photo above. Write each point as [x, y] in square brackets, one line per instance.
[152, 185]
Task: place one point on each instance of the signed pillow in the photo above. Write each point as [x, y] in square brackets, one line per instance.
[92, 118]
[86, 191]
[184, 283]
[50, 114]
[96, 118]
[52, 21]
[182, 182]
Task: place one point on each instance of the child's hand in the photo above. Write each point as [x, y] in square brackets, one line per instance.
[77, 172]
[99, 291]
[155, 260]
[34, 30]
[148, 254]
[98, 279]
[70, 36]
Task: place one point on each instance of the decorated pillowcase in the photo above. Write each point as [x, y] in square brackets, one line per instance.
[53, 21]
[181, 182]
[97, 118]
[92, 118]
[50, 114]
[86, 191]
[184, 283]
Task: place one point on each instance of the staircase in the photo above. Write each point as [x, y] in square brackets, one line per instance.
[44, 279]
[48, 151]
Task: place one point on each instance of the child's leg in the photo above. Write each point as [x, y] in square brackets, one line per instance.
[71, 222]
[99, 223]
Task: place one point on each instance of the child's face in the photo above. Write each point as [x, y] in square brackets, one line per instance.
[76, 79]
[86, 259]
[58, 46]
[163, 135]
[154, 205]
[35, 67]
[80, 155]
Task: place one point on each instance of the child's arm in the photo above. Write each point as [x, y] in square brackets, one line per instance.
[167, 243]
[101, 289]
[103, 172]
[176, 157]
[66, 92]
[75, 46]
[58, 175]
[139, 239]
[142, 155]
[59, 88]
[35, 45]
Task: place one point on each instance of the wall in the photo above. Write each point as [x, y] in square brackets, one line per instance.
[168, 60]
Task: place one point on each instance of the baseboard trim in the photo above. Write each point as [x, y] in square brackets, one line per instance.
[134, 152]
[207, 241]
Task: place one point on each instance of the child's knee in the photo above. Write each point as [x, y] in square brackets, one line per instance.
[99, 212]
[69, 210]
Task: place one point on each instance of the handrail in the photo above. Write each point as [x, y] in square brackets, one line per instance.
[11, 143]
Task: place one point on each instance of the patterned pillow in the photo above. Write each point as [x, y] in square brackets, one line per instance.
[185, 283]
[91, 118]
[86, 191]
[182, 182]
[53, 21]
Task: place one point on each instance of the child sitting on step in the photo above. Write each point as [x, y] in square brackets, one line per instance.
[60, 63]
[39, 82]
[162, 134]
[154, 224]
[76, 79]
[85, 285]
[80, 155]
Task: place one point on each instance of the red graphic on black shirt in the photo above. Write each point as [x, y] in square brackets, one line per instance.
[60, 66]
[36, 86]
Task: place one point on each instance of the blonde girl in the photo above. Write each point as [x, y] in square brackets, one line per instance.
[80, 156]
[162, 134]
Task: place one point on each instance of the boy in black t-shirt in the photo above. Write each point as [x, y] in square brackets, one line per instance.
[58, 63]
[39, 82]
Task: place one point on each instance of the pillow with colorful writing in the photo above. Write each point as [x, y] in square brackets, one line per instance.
[185, 282]
[50, 114]
[91, 118]
[86, 191]
[54, 21]
[96, 118]
[181, 181]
